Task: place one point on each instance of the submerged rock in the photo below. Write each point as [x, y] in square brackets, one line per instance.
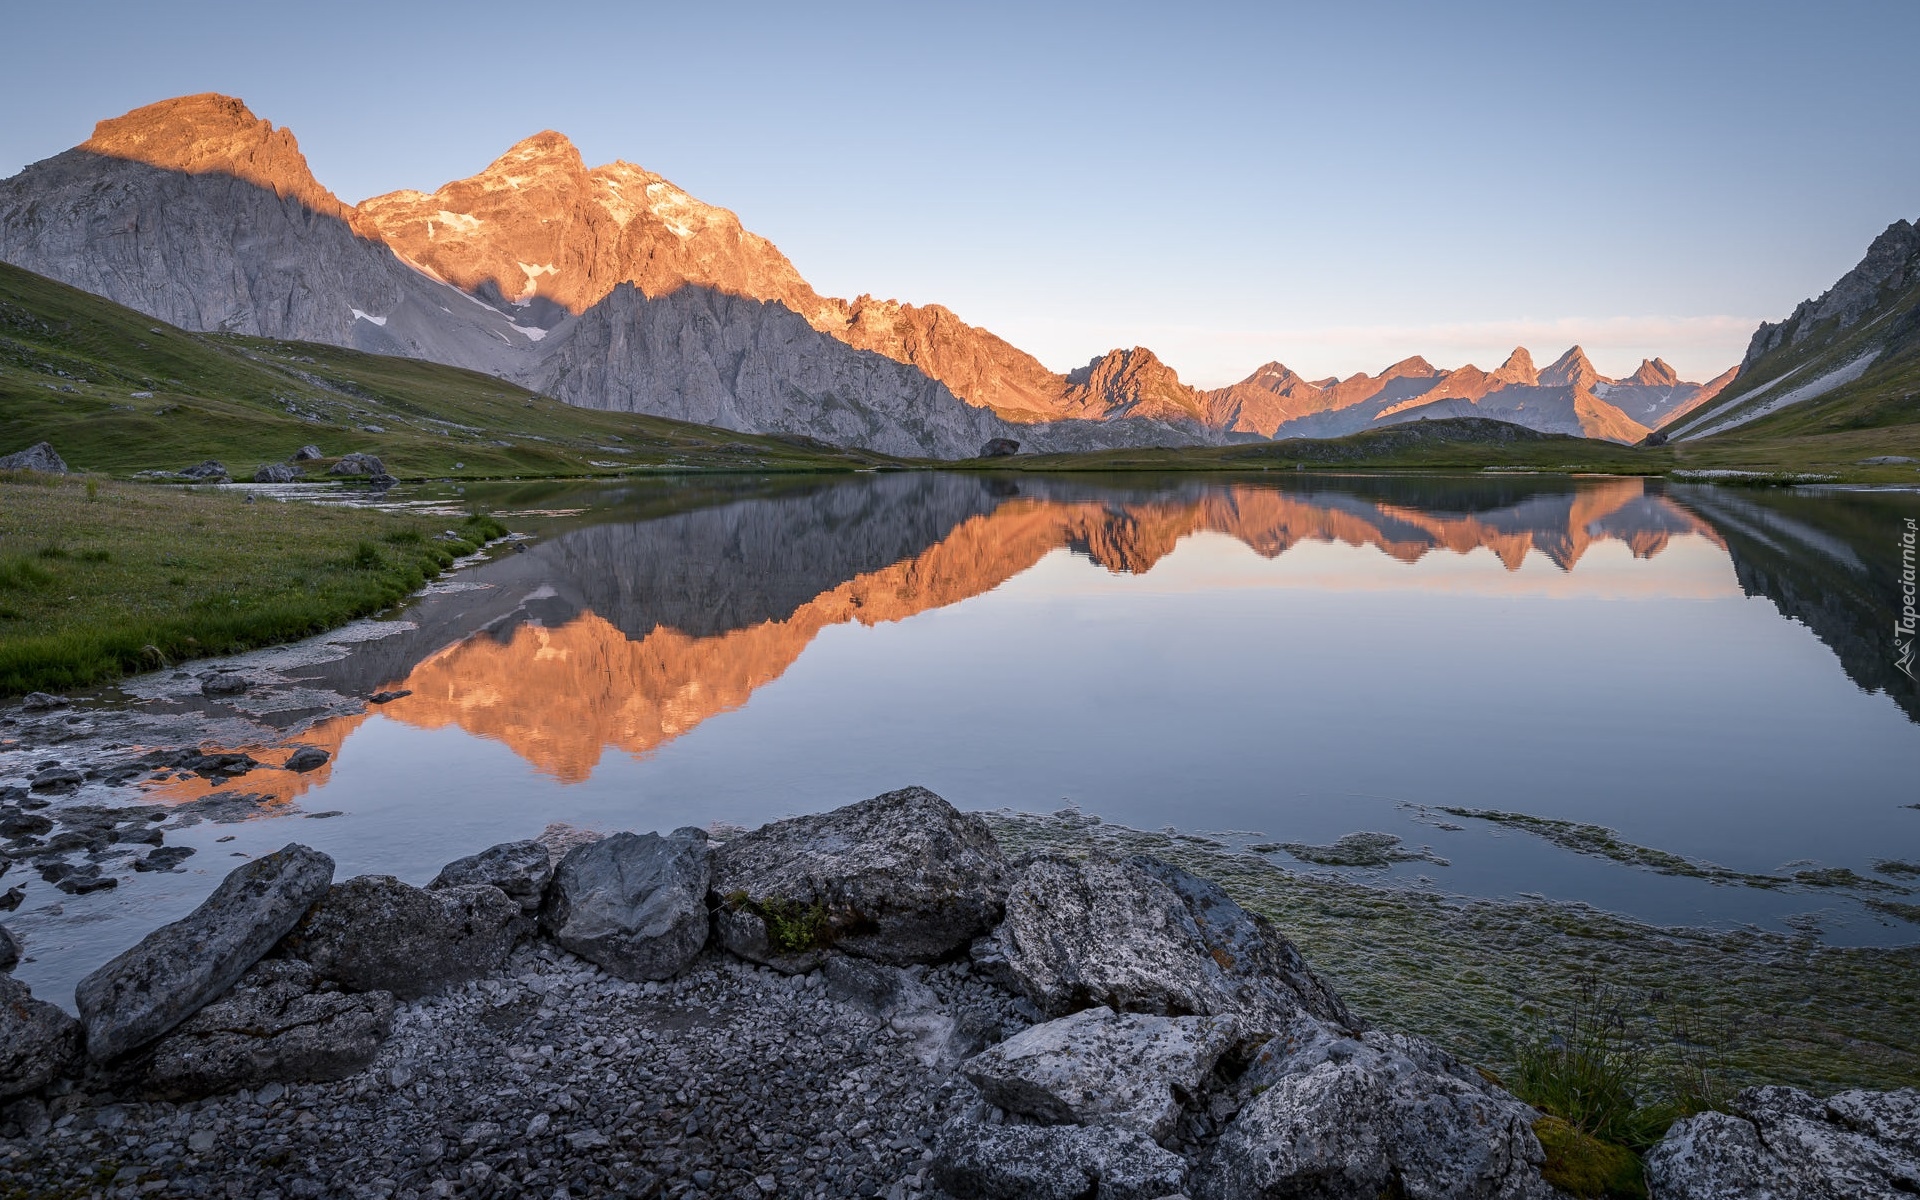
[1099, 1067]
[900, 878]
[374, 933]
[173, 971]
[1781, 1142]
[634, 903]
[1330, 1115]
[278, 1024]
[1053, 1162]
[38, 1042]
[520, 869]
[1140, 935]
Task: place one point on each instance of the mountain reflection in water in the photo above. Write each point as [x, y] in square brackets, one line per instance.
[628, 634]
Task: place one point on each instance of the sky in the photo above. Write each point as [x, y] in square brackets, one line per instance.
[1334, 186]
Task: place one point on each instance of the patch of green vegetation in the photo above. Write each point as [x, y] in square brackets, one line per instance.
[137, 577]
[793, 926]
[1469, 974]
[1895, 909]
[1354, 850]
[1582, 1165]
[1896, 868]
[1600, 842]
[117, 392]
[1476, 443]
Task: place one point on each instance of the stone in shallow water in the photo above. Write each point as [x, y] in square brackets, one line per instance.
[634, 903]
[1140, 935]
[976, 1161]
[901, 878]
[1099, 1067]
[278, 1023]
[1781, 1142]
[177, 968]
[375, 933]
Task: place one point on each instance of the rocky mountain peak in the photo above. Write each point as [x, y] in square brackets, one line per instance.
[1415, 367]
[1133, 383]
[1571, 370]
[214, 134]
[1518, 369]
[1653, 372]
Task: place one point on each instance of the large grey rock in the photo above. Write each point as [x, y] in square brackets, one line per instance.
[1780, 1143]
[1142, 936]
[279, 1023]
[38, 1042]
[520, 869]
[900, 878]
[9, 949]
[208, 470]
[38, 457]
[276, 473]
[634, 903]
[1336, 1117]
[1099, 1067]
[358, 463]
[177, 968]
[977, 1161]
[305, 453]
[374, 933]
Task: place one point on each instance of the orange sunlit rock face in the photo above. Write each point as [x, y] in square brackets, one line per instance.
[214, 134]
[559, 697]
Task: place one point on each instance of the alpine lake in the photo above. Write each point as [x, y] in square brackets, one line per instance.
[1469, 740]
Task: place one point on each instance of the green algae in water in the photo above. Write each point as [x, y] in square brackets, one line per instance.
[1472, 975]
[1355, 850]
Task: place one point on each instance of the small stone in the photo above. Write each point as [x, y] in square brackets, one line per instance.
[306, 758]
[224, 683]
[200, 1141]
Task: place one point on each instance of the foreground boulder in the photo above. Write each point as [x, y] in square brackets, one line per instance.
[177, 968]
[1337, 1117]
[634, 903]
[900, 878]
[520, 869]
[38, 457]
[376, 934]
[1781, 1142]
[280, 1023]
[1099, 1067]
[1053, 1162]
[1140, 935]
[38, 1042]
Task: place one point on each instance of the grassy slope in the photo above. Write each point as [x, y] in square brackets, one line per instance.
[99, 579]
[70, 361]
[1877, 414]
[1451, 443]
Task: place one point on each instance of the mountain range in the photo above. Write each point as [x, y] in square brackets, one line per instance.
[609, 287]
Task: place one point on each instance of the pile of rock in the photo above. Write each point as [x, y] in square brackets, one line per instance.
[1115, 1029]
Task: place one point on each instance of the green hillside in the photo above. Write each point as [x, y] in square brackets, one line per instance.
[117, 392]
[1874, 415]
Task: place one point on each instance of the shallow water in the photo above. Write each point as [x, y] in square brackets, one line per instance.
[1709, 672]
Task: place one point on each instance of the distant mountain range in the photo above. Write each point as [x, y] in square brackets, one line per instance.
[609, 287]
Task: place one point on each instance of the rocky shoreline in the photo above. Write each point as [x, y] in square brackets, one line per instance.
[875, 1001]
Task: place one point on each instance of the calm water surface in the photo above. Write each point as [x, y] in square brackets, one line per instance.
[1709, 672]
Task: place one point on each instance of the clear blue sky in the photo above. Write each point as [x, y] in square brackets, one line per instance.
[1332, 185]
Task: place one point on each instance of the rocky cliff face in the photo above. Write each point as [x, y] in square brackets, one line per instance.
[1891, 266]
